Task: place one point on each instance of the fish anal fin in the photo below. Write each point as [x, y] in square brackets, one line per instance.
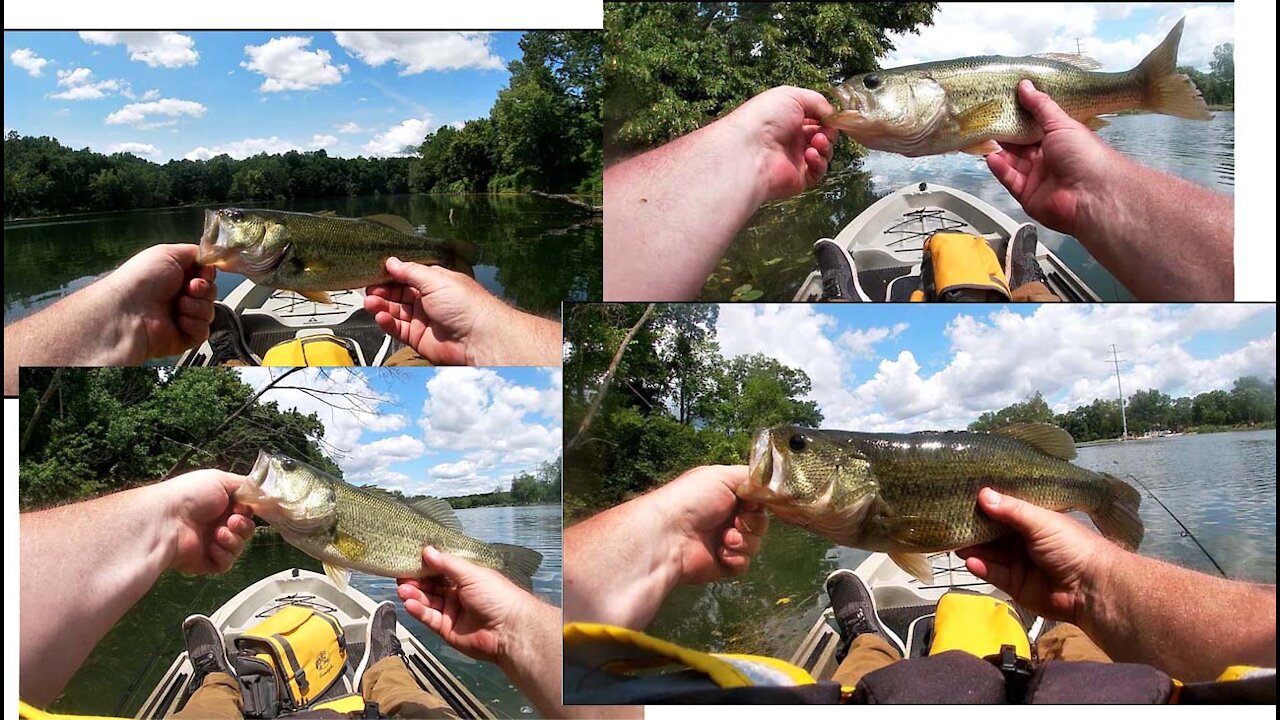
[437, 510]
[395, 222]
[1048, 439]
[986, 147]
[318, 296]
[1082, 62]
[979, 118]
[915, 564]
[1095, 123]
[338, 575]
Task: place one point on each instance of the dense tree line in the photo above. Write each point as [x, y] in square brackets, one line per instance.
[87, 432]
[1250, 402]
[1218, 86]
[673, 67]
[543, 133]
[671, 400]
[541, 487]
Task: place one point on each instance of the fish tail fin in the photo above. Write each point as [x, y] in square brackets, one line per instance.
[1168, 91]
[467, 255]
[518, 563]
[1117, 517]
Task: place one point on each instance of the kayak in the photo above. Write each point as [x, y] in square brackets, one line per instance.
[350, 607]
[254, 319]
[905, 606]
[886, 242]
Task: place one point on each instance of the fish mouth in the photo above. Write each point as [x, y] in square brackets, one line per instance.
[214, 248]
[764, 471]
[254, 490]
[850, 112]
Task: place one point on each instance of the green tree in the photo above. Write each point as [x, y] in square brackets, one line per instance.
[1223, 69]
[1148, 410]
[1032, 410]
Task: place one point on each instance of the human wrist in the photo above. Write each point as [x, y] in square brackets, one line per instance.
[117, 332]
[536, 628]
[1095, 595]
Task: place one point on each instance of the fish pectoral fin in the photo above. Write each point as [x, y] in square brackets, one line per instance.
[316, 266]
[1048, 439]
[338, 575]
[980, 117]
[986, 147]
[317, 296]
[1095, 123]
[1082, 62]
[395, 222]
[437, 510]
[914, 564]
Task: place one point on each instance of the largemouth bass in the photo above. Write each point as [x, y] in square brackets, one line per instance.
[917, 493]
[350, 528]
[971, 104]
[310, 254]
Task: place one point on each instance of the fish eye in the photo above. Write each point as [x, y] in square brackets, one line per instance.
[233, 214]
[798, 443]
[871, 82]
[289, 464]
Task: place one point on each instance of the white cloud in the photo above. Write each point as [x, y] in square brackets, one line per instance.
[479, 410]
[136, 114]
[156, 49]
[26, 59]
[288, 65]
[145, 150]
[349, 128]
[151, 94]
[322, 141]
[861, 342]
[417, 52]
[1029, 28]
[458, 124]
[241, 149]
[369, 462]
[79, 85]
[402, 139]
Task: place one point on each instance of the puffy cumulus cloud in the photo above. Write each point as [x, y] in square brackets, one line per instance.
[145, 150]
[241, 149]
[344, 422]
[349, 128]
[156, 49]
[80, 85]
[403, 139]
[860, 342]
[479, 410]
[370, 463]
[417, 52]
[1029, 28]
[289, 65]
[27, 60]
[322, 141]
[136, 114]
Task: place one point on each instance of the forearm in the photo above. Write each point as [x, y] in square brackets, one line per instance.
[83, 566]
[524, 339]
[533, 661]
[1162, 237]
[82, 329]
[614, 570]
[673, 212]
[1190, 625]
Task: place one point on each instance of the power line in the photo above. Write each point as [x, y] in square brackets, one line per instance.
[1116, 362]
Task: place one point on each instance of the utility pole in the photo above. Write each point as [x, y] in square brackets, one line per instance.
[1124, 421]
[1078, 50]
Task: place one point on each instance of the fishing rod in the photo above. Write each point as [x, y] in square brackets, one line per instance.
[1186, 531]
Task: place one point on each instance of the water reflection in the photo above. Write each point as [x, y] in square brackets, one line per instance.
[774, 252]
[536, 252]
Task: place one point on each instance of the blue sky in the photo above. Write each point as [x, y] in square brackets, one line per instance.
[438, 431]
[166, 95]
[903, 368]
[1118, 35]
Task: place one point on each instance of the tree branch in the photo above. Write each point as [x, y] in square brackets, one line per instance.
[598, 400]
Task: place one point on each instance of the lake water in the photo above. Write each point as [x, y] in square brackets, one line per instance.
[130, 660]
[1221, 486]
[774, 253]
[535, 252]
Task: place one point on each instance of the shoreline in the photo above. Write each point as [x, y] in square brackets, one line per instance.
[1200, 430]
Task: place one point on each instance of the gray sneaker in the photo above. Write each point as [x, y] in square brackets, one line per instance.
[839, 275]
[1020, 263]
[205, 649]
[855, 611]
[380, 639]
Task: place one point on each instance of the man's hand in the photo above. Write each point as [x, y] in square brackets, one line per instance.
[1052, 565]
[450, 319]
[1054, 178]
[781, 127]
[476, 610]
[166, 298]
[208, 528]
[713, 533]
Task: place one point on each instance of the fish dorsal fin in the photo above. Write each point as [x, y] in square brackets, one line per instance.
[395, 222]
[1082, 62]
[980, 117]
[325, 213]
[1048, 439]
[433, 508]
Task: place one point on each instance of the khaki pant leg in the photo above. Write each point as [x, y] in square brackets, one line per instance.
[1068, 642]
[868, 652]
[218, 697]
[390, 684]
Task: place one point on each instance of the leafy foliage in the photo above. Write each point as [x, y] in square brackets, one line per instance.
[1218, 86]
[675, 401]
[1250, 402]
[672, 67]
[107, 429]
